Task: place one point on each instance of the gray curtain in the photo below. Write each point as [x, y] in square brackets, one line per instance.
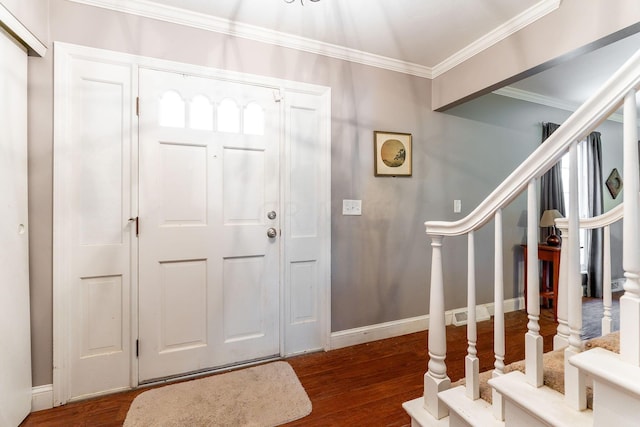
[593, 147]
[551, 190]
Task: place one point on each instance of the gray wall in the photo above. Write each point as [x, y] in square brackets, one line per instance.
[381, 260]
[526, 117]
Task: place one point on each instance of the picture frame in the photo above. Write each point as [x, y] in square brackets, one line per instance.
[392, 153]
[614, 183]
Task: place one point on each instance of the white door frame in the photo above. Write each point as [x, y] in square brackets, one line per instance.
[64, 54]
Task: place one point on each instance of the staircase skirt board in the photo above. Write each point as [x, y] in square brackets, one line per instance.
[529, 406]
[464, 412]
[616, 387]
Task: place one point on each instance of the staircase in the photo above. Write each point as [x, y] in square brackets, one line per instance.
[521, 399]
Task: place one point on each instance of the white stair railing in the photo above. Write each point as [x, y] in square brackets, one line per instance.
[621, 86]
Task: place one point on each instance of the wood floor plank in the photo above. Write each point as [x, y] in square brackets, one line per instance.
[360, 385]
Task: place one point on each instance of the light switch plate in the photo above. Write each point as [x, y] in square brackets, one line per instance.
[457, 206]
[352, 207]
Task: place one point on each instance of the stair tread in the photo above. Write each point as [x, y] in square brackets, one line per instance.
[608, 366]
[514, 387]
[475, 412]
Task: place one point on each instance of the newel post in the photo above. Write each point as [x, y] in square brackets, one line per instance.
[630, 301]
[436, 379]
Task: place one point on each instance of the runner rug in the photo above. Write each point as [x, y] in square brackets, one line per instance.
[265, 395]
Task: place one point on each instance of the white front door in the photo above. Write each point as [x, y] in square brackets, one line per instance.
[209, 223]
[15, 336]
[201, 284]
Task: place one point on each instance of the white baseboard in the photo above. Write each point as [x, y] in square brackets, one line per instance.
[42, 397]
[396, 328]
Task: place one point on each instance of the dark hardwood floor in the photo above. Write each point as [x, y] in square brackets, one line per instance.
[363, 385]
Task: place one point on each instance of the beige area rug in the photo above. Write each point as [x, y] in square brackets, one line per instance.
[266, 395]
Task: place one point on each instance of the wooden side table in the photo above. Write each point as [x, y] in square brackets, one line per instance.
[550, 259]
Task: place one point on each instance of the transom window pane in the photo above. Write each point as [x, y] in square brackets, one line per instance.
[201, 113]
[253, 119]
[171, 110]
[228, 116]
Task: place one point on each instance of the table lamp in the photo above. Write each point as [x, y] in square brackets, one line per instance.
[548, 220]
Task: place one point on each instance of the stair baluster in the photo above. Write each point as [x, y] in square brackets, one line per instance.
[472, 364]
[561, 339]
[498, 319]
[607, 322]
[533, 339]
[575, 390]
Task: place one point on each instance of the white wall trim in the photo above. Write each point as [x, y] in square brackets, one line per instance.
[203, 21]
[20, 32]
[547, 101]
[41, 397]
[396, 328]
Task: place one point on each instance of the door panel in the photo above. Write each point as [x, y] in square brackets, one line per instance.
[209, 275]
[184, 310]
[308, 216]
[15, 356]
[92, 202]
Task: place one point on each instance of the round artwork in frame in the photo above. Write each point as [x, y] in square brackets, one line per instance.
[392, 153]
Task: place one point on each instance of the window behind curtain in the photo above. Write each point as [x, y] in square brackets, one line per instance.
[583, 197]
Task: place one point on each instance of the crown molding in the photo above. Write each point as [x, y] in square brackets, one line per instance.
[548, 101]
[498, 34]
[202, 21]
[11, 24]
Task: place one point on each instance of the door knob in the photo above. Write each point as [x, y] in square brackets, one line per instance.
[271, 233]
[271, 215]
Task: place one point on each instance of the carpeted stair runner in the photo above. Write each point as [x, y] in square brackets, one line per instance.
[553, 362]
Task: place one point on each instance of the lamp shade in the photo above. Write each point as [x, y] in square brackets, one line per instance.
[549, 218]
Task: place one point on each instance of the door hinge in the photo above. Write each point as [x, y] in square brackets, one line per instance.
[137, 221]
[278, 95]
[138, 106]
[137, 348]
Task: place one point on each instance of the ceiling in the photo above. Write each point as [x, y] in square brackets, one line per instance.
[421, 37]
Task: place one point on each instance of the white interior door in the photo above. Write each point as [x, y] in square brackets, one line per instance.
[94, 250]
[15, 336]
[209, 195]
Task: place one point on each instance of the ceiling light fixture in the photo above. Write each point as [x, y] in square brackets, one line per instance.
[301, 1]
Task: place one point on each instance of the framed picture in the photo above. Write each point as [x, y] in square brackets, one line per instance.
[614, 183]
[392, 154]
